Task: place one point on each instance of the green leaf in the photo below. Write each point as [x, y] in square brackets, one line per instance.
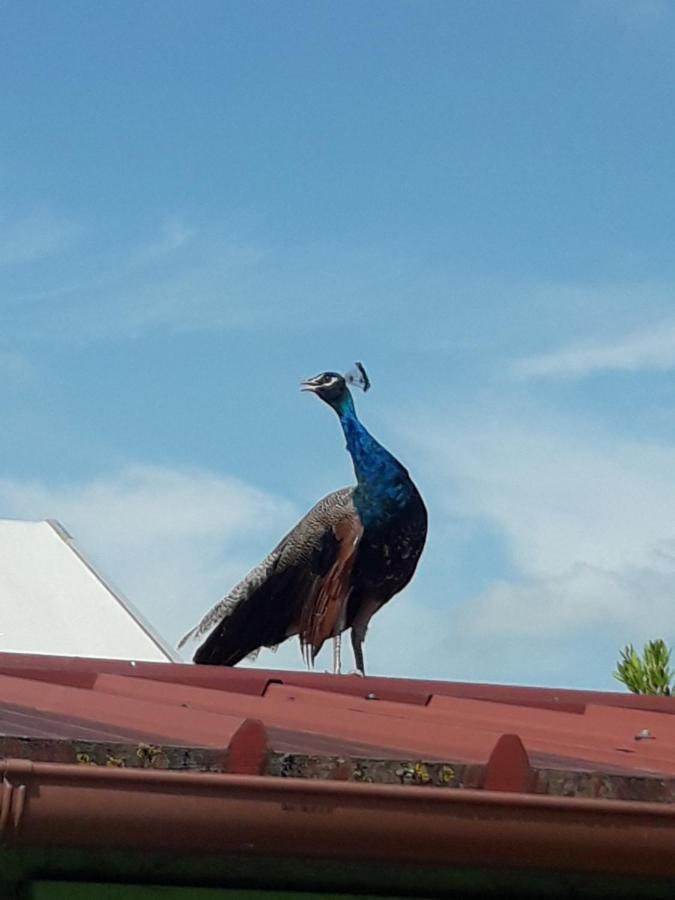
[647, 674]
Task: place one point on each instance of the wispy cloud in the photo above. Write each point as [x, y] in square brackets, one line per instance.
[171, 282]
[31, 237]
[173, 234]
[186, 279]
[587, 526]
[634, 602]
[649, 349]
[560, 494]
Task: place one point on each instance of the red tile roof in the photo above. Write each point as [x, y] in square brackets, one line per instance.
[301, 763]
[573, 742]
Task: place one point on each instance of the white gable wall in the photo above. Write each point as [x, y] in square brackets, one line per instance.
[53, 601]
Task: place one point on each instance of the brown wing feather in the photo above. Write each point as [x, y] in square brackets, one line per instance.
[323, 613]
[269, 604]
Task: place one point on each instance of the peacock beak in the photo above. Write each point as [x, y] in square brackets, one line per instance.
[309, 385]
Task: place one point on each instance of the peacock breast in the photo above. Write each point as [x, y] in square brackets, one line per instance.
[390, 549]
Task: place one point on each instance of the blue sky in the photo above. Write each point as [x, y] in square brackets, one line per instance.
[203, 202]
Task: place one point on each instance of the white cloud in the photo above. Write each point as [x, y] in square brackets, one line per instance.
[587, 521]
[650, 349]
[34, 236]
[631, 601]
[560, 496]
[174, 541]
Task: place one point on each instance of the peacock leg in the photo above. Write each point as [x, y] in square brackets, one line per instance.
[337, 662]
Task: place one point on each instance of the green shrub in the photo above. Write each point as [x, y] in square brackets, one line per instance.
[649, 673]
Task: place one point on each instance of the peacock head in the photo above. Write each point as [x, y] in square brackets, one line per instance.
[333, 388]
[329, 386]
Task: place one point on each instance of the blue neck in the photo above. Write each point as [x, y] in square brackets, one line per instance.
[383, 485]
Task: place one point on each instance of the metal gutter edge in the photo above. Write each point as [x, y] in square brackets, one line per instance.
[53, 804]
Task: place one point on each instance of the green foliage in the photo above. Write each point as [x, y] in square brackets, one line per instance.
[649, 673]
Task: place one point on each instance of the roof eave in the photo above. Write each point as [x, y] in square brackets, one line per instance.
[50, 804]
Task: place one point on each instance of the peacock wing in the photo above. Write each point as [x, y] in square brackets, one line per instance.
[246, 587]
[270, 603]
[323, 614]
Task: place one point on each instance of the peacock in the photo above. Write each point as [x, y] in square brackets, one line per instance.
[347, 557]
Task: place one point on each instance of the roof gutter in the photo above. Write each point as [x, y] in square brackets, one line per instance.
[53, 804]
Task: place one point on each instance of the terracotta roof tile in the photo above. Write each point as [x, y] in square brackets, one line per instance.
[180, 758]
[585, 743]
